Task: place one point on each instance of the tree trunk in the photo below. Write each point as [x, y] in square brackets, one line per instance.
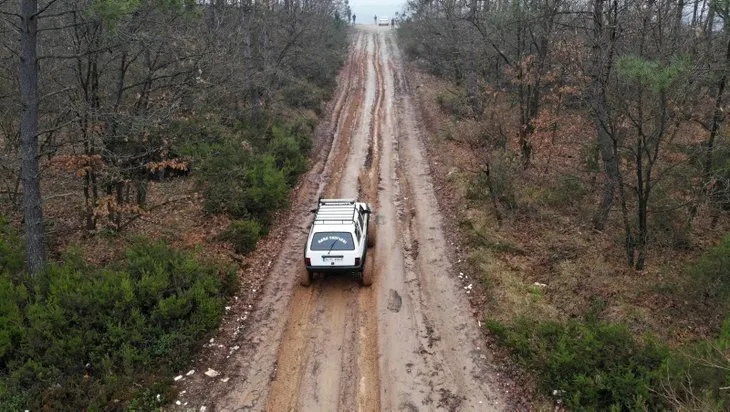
[473, 92]
[32, 206]
[628, 232]
[116, 216]
[492, 194]
[641, 204]
[601, 66]
[717, 117]
[609, 188]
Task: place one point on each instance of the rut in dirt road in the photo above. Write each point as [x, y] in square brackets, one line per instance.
[324, 361]
[433, 357]
[406, 343]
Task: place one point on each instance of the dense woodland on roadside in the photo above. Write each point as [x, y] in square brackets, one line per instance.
[601, 183]
[102, 103]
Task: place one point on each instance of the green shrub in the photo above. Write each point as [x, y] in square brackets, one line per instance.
[245, 168]
[695, 378]
[243, 234]
[290, 147]
[84, 335]
[302, 94]
[589, 365]
[267, 191]
[242, 184]
[12, 256]
[711, 273]
[504, 170]
[198, 137]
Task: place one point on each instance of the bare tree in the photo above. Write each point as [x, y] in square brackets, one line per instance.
[640, 97]
[119, 75]
[32, 202]
[603, 53]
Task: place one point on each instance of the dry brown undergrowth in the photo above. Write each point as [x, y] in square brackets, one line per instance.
[545, 259]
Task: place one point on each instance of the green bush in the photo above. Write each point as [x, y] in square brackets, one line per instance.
[503, 173]
[245, 167]
[589, 365]
[711, 273]
[302, 94]
[12, 257]
[321, 69]
[267, 191]
[247, 172]
[242, 184]
[243, 234]
[695, 378]
[197, 138]
[83, 335]
[290, 147]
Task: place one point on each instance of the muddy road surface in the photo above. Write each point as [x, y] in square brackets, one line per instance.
[409, 341]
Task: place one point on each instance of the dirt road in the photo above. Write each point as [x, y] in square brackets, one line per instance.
[406, 343]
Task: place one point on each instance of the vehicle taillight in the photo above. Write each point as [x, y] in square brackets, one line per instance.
[308, 261]
[357, 261]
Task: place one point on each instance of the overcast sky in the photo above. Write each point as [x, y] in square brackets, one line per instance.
[365, 10]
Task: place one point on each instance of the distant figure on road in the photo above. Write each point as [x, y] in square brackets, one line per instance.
[353, 18]
[392, 23]
[375, 20]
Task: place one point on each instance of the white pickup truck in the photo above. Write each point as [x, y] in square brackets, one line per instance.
[340, 241]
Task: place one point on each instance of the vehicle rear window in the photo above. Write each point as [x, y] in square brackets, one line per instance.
[332, 241]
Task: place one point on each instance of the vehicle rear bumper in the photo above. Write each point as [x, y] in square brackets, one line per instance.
[334, 269]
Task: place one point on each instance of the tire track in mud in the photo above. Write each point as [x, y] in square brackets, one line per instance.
[296, 345]
[449, 370]
[401, 372]
[368, 396]
[327, 365]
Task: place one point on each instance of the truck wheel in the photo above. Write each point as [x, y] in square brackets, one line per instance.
[368, 271]
[305, 277]
[372, 228]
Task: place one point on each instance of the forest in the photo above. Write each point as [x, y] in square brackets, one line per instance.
[106, 107]
[146, 146]
[589, 155]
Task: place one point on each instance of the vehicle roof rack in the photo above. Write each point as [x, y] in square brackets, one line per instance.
[335, 211]
[336, 201]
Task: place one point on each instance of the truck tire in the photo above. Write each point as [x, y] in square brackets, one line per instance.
[372, 228]
[305, 276]
[368, 272]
